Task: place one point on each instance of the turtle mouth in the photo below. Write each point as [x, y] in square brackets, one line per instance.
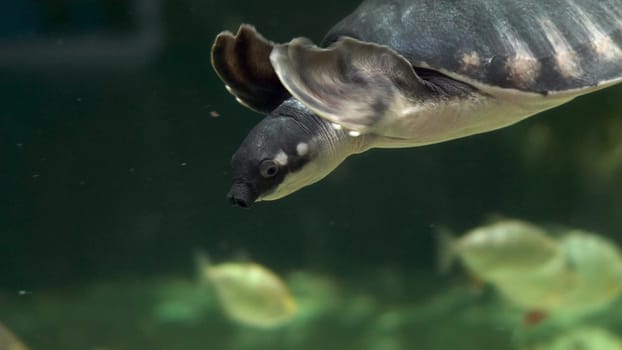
[241, 195]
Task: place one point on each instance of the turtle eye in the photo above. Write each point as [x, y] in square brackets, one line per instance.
[268, 168]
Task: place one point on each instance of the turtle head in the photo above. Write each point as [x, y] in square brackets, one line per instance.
[291, 148]
[288, 150]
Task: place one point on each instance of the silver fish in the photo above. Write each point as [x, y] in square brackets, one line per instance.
[249, 293]
[506, 247]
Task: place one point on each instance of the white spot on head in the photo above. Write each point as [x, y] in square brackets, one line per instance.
[302, 149]
[600, 42]
[281, 158]
[566, 60]
[322, 164]
[354, 133]
[336, 126]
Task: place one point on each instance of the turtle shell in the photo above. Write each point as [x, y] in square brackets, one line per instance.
[401, 68]
[528, 45]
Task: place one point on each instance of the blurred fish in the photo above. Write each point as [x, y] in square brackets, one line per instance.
[578, 273]
[584, 338]
[249, 293]
[495, 251]
[589, 279]
[540, 291]
[598, 263]
[8, 341]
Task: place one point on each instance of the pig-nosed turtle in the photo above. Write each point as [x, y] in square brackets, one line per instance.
[404, 73]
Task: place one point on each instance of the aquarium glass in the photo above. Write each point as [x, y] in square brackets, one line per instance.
[116, 137]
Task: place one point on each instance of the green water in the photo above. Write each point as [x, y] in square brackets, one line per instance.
[114, 172]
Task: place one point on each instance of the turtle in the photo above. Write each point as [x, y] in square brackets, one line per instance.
[407, 73]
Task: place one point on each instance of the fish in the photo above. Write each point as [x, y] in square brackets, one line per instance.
[8, 340]
[581, 338]
[249, 293]
[597, 262]
[572, 272]
[494, 251]
[589, 279]
[541, 291]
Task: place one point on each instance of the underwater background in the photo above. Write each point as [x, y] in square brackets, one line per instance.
[115, 140]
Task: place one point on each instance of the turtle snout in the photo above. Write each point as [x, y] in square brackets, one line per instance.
[237, 201]
[241, 196]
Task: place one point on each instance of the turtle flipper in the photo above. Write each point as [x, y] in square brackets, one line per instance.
[242, 62]
[362, 86]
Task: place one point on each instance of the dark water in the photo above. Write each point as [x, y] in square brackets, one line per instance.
[114, 171]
